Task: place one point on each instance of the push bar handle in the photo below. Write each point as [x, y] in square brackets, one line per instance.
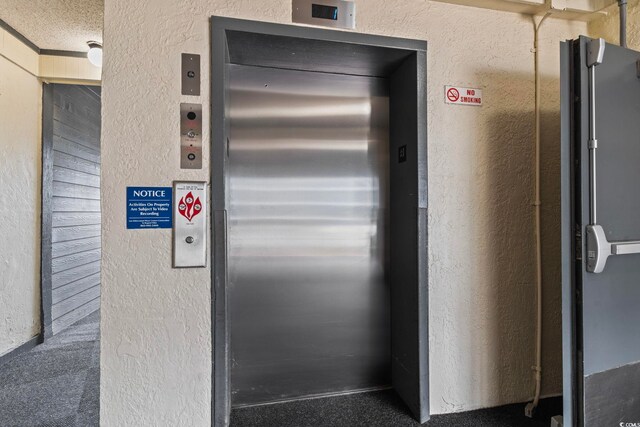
[599, 249]
[625, 248]
[595, 56]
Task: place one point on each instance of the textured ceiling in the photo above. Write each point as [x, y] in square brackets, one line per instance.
[56, 24]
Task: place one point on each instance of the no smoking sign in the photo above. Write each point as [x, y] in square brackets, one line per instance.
[453, 94]
[463, 95]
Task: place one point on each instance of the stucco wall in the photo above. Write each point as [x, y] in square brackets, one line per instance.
[20, 179]
[156, 348]
[608, 26]
[20, 99]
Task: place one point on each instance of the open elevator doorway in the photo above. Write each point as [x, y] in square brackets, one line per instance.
[319, 218]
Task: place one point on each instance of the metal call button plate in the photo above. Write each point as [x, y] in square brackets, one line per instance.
[190, 74]
[189, 224]
[190, 136]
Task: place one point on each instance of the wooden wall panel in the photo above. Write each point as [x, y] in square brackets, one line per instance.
[76, 218]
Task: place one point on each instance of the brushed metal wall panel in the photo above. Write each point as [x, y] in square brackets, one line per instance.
[308, 197]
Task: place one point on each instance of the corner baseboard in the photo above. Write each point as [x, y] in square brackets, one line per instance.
[21, 349]
[550, 396]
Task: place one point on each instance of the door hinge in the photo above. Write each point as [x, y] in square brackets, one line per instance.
[578, 243]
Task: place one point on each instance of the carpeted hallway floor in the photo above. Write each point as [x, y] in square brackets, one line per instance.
[56, 383]
[383, 409]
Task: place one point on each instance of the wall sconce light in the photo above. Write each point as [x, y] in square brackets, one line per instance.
[95, 53]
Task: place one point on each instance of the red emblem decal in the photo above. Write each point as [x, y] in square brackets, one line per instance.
[188, 207]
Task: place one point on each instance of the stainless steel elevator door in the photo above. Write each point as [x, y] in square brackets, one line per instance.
[308, 211]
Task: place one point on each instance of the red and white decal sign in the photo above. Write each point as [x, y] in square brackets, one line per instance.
[462, 95]
[188, 207]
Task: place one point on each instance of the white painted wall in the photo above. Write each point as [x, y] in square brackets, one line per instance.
[156, 322]
[20, 106]
[17, 52]
[20, 179]
[608, 26]
[66, 69]
[54, 69]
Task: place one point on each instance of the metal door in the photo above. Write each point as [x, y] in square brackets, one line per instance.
[601, 222]
[308, 195]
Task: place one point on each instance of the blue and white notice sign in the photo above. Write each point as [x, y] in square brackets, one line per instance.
[149, 207]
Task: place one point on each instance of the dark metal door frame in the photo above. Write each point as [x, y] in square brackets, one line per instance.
[46, 212]
[403, 62]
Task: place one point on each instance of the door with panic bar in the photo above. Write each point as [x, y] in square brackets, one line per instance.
[601, 219]
[599, 249]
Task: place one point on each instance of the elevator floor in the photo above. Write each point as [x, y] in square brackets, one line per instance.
[383, 409]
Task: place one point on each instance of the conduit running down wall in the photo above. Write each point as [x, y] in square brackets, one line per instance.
[537, 368]
[608, 27]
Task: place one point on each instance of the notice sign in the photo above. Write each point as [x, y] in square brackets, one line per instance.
[149, 207]
[462, 95]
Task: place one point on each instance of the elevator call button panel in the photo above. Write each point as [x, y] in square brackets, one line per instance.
[190, 74]
[190, 136]
[189, 224]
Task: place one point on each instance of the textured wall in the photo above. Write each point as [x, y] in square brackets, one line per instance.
[56, 24]
[20, 99]
[156, 345]
[58, 69]
[609, 26]
[19, 53]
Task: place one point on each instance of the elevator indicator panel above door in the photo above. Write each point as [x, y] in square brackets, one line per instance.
[326, 13]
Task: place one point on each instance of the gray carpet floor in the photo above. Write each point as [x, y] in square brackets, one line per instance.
[56, 383]
[383, 409]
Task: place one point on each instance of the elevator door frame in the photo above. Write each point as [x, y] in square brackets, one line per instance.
[403, 63]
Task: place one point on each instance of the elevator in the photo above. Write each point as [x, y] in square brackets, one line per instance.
[319, 215]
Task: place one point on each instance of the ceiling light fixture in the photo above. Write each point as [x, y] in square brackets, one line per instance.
[95, 53]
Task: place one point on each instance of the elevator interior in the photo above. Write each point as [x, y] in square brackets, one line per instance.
[319, 215]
